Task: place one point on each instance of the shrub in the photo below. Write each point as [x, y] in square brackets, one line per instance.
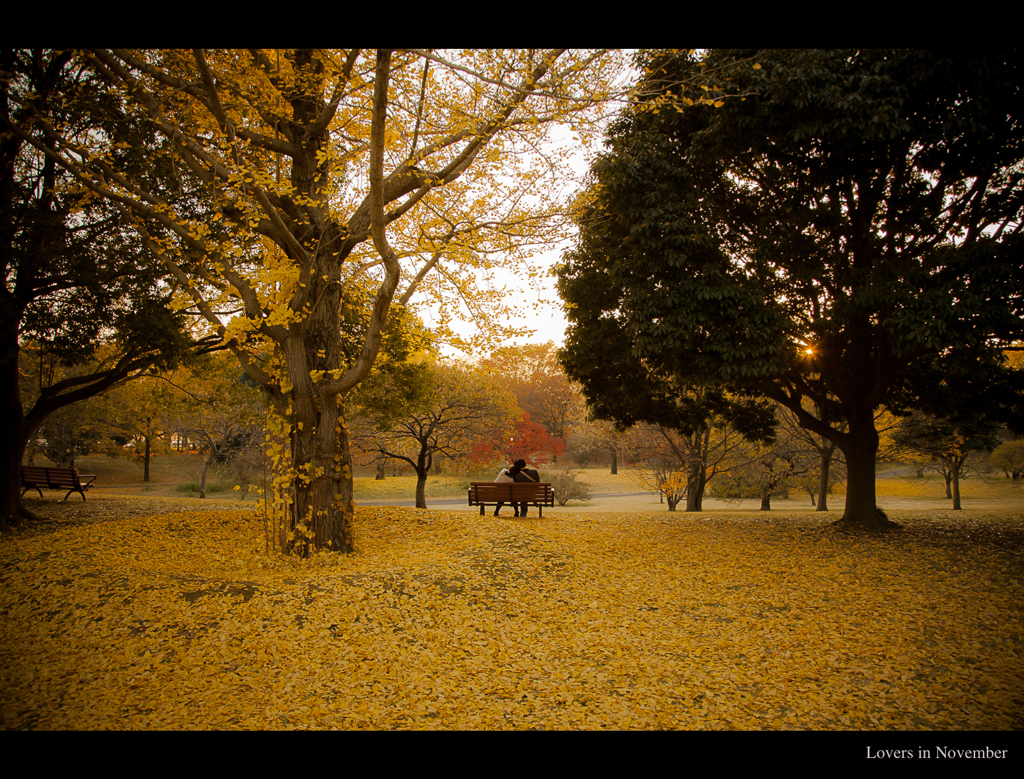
[192, 487]
[567, 488]
[1009, 458]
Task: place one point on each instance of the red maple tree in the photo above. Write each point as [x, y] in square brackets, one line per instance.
[529, 441]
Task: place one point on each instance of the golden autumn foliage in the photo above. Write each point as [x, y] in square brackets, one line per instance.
[317, 180]
[447, 620]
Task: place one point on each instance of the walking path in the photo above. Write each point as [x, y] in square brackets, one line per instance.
[463, 502]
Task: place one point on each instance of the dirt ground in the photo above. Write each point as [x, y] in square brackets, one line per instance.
[645, 503]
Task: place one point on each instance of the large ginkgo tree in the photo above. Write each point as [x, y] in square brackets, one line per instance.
[320, 173]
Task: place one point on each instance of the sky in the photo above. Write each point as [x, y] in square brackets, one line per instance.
[548, 316]
[539, 307]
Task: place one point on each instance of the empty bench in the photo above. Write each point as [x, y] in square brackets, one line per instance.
[490, 493]
[35, 478]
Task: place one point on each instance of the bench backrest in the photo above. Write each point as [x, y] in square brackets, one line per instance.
[510, 492]
[57, 477]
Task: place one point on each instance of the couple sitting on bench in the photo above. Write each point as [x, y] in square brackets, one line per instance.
[518, 472]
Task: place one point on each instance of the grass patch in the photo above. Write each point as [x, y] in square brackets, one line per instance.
[170, 475]
[404, 487]
[992, 486]
[212, 488]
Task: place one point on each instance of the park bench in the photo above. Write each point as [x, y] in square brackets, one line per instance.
[35, 478]
[491, 493]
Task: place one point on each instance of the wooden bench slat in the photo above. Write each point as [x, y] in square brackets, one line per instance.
[35, 477]
[484, 493]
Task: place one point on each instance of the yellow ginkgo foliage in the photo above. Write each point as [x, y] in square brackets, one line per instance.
[320, 171]
[451, 621]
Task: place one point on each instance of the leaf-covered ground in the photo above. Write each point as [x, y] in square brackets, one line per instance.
[452, 621]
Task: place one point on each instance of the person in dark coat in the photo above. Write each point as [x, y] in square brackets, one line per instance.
[518, 472]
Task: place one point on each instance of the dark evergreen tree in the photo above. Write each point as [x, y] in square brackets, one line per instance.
[75, 277]
[834, 230]
[949, 442]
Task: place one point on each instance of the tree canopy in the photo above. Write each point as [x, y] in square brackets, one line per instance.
[948, 442]
[75, 276]
[325, 170]
[459, 406]
[839, 230]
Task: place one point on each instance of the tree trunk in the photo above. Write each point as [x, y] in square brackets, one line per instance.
[826, 466]
[954, 472]
[381, 464]
[12, 507]
[18, 431]
[321, 515]
[421, 488]
[145, 466]
[323, 507]
[695, 485]
[766, 502]
[206, 469]
[860, 445]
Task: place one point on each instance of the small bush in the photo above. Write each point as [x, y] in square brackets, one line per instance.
[567, 487]
[192, 487]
